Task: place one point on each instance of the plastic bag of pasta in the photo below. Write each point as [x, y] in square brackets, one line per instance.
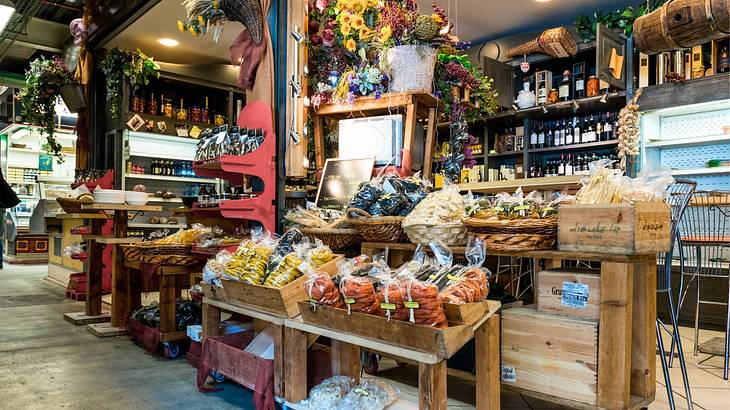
[389, 204]
[371, 394]
[319, 254]
[285, 246]
[471, 284]
[421, 299]
[321, 289]
[248, 263]
[287, 270]
[389, 294]
[325, 395]
[367, 194]
[215, 267]
[358, 289]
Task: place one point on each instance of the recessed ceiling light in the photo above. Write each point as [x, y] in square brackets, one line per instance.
[168, 42]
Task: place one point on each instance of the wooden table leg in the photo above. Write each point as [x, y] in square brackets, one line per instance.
[295, 366]
[167, 303]
[211, 320]
[615, 326]
[432, 386]
[409, 136]
[280, 360]
[345, 359]
[643, 351]
[120, 302]
[94, 268]
[486, 342]
[430, 143]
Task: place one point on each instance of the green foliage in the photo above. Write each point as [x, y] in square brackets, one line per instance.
[43, 82]
[621, 19]
[120, 65]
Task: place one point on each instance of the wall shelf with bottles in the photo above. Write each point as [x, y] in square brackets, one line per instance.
[170, 178]
[572, 147]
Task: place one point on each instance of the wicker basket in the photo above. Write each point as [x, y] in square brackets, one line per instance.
[412, 68]
[452, 234]
[150, 249]
[177, 260]
[73, 205]
[516, 234]
[335, 238]
[382, 229]
[556, 42]
[132, 253]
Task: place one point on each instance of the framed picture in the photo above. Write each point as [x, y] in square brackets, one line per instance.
[136, 122]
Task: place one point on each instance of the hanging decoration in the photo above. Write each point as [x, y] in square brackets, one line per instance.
[628, 130]
[206, 15]
[621, 19]
[121, 65]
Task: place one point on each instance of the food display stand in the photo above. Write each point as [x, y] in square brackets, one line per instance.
[429, 347]
[120, 281]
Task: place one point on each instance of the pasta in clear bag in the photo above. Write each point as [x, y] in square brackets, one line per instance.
[358, 289]
[320, 287]
[249, 262]
[471, 284]
[371, 394]
[326, 395]
[421, 299]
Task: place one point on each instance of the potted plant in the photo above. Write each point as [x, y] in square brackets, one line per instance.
[44, 81]
[120, 65]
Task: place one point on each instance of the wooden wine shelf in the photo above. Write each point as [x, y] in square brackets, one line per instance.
[529, 184]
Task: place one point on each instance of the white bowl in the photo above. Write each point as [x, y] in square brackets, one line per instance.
[136, 198]
[109, 197]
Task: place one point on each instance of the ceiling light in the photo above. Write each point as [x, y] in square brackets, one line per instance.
[168, 42]
[6, 13]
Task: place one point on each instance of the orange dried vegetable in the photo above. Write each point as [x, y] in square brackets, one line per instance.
[391, 301]
[322, 290]
[423, 303]
[471, 287]
[359, 295]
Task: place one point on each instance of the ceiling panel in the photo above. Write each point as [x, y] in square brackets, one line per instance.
[482, 20]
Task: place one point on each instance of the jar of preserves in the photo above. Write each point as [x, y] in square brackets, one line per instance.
[593, 86]
[182, 114]
[168, 110]
[152, 105]
[219, 120]
[553, 96]
[195, 114]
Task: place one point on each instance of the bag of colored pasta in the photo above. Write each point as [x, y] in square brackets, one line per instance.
[421, 300]
[471, 284]
[249, 262]
[358, 289]
[320, 288]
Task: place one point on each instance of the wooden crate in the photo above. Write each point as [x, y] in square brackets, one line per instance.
[569, 292]
[281, 302]
[550, 354]
[466, 313]
[625, 229]
[441, 342]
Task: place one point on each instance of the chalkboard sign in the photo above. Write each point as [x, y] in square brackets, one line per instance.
[340, 179]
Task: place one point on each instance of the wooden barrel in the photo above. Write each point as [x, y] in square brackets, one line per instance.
[680, 24]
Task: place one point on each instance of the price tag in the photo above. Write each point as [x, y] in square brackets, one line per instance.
[454, 278]
[522, 208]
[498, 209]
[387, 306]
[508, 374]
[362, 391]
[349, 301]
[575, 295]
[411, 305]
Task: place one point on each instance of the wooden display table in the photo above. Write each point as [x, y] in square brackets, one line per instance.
[173, 280]
[415, 106]
[120, 290]
[211, 320]
[401, 342]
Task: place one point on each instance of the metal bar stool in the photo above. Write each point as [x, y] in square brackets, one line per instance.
[678, 197]
[705, 240]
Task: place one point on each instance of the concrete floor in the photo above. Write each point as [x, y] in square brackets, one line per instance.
[47, 363]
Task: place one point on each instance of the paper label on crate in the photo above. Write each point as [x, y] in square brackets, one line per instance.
[508, 374]
[387, 306]
[349, 301]
[575, 295]
[411, 305]
[362, 391]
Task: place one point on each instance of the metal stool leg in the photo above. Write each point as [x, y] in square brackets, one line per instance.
[665, 368]
[677, 340]
[727, 335]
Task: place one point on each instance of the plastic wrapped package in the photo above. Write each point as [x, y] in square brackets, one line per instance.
[186, 236]
[327, 394]
[388, 204]
[470, 284]
[423, 303]
[74, 249]
[214, 268]
[249, 262]
[320, 287]
[285, 272]
[649, 185]
[367, 194]
[357, 288]
[391, 300]
[445, 206]
[285, 246]
[319, 254]
[371, 394]
[603, 185]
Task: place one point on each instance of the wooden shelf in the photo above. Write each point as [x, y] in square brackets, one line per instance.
[694, 91]
[527, 184]
[505, 154]
[384, 103]
[565, 108]
[117, 241]
[156, 226]
[574, 147]
[80, 216]
[170, 178]
[122, 207]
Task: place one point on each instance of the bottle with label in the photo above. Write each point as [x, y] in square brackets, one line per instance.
[541, 137]
[577, 134]
[533, 138]
[568, 130]
[550, 137]
[723, 62]
[569, 165]
[542, 94]
[615, 126]
[564, 89]
[608, 127]
[599, 128]
[561, 165]
[579, 86]
[591, 130]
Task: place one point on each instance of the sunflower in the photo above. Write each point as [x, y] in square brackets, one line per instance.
[181, 26]
[359, 6]
[350, 45]
[345, 18]
[358, 23]
[435, 17]
[385, 34]
[345, 29]
[345, 4]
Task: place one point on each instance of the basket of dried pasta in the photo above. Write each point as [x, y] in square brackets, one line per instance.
[174, 249]
[438, 216]
[327, 225]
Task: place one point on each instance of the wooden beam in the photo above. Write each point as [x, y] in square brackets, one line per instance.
[430, 144]
[167, 304]
[280, 360]
[295, 365]
[318, 124]
[94, 269]
[643, 350]
[614, 343]
[432, 386]
[486, 342]
[345, 359]
[211, 320]
[409, 136]
[120, 293]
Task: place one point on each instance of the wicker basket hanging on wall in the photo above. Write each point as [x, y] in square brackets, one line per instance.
[556, 42]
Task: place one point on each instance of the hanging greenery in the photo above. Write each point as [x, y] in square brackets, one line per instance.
[43, 82]
[621, 19]
[120, 65]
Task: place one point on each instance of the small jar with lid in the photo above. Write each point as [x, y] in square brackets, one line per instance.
[553, 96]
[593, 86]
[168, 110]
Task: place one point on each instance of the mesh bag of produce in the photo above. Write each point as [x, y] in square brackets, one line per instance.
[371, 394]
[327, 394]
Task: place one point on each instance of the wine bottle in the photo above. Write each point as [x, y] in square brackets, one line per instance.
[577, 134]
[561, 166]
[564, 89]
[533, 138]
[541, 137]
[579, 86]
[569, 165]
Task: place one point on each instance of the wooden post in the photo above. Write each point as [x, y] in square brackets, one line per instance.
[167, 303]
[280, 362]
[345, 359]
[94, 269]
[614, 343]
[119, 290]
[486, 342]
[211, 320]
[409, 135]
[643, 351]
[430, 142]
[295, 365]
[318, 125]
[432, 386]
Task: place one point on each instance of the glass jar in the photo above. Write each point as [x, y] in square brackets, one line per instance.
[553, 96]
[182, 114]
[593, 86]
[135, 103]
[168, 110]
[204, 115]
[219, 120]
[195, 114]
[152, 106]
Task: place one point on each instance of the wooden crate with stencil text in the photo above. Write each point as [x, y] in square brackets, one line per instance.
[569, 292]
